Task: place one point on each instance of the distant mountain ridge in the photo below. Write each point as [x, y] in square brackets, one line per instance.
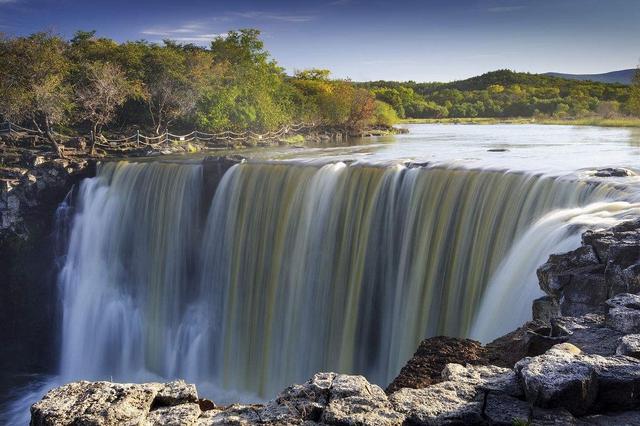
[621, 77]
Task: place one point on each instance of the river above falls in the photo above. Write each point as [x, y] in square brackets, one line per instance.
[551, 149]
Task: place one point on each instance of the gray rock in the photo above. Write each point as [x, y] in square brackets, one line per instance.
[354, 401]
[624, 313]
[618, 382]
[95, 403]
[440, 404]
[485, 377]
[185, 414]
[505, 410]
[545, 308]
[234, 415]
[629, 345]
[613, 172]
[627, 418]
[588, 332]
[557, 380]
[176, 392]
[551, 417]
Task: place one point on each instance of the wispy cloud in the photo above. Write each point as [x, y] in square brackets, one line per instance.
[339, 3]
[188, 33]
[271, 16]
[504, 9]
[8, 1]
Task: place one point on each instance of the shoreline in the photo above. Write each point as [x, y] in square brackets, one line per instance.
[595, 122]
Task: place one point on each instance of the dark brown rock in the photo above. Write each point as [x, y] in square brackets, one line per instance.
[433, 354]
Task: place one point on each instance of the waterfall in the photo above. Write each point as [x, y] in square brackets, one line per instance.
[297, 268]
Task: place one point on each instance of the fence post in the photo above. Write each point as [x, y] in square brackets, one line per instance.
[138, 138]
[195, 133]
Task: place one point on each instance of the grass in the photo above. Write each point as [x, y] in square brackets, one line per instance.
[592, 121]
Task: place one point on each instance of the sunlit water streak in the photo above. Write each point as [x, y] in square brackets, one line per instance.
[298, 268]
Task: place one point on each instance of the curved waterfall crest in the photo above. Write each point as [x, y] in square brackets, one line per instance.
[293, 268]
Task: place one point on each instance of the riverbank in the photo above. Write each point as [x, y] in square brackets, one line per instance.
[601, 122]
[576, 363]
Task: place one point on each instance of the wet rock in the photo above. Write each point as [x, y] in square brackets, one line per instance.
[624, 313]
[556, 380]
[629, 345]
[612, 172]
[433, 354]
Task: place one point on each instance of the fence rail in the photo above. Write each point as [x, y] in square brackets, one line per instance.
[138, 140]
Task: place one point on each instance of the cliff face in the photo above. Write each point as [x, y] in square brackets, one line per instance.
[577, 362]
[31, 191]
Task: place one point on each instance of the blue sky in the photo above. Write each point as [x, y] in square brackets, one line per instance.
[429, 40]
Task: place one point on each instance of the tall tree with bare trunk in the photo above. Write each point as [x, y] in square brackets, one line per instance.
[100, 91]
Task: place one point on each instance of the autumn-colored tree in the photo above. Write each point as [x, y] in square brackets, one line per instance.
[100, 91]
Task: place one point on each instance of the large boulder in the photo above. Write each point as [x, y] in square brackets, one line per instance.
[623, 313]
[566, 378]
[556, 380]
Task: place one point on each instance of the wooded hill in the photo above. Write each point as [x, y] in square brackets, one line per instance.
[506, 93]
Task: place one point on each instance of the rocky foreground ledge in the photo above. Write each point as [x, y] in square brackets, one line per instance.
[576, 363]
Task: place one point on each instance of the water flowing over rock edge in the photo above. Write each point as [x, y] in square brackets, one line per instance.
[575, 363]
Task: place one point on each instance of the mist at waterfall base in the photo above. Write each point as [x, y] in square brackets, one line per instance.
[294, 268]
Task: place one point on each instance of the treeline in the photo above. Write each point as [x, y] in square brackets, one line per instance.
[92, 83]
[506, 93]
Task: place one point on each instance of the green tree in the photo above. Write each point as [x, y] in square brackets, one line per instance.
[33, 83]
[634, 96]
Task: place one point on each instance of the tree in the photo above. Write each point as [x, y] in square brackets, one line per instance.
[33, 83]
[102, 89]
[634, 96]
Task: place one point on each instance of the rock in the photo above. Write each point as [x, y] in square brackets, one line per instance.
[556, 380]
[557, 271]
[439, 404]
[94, 403]
[505, 410]
[618, 382]
[545, 308]
[185, 414]
[624, 313]
[629, 345]
[176, 392]
[551, 417]
[613, 172]
[433, 354]
[484, 377]
[626, 418]
[533, 338]
[588, 332]
[354, 401]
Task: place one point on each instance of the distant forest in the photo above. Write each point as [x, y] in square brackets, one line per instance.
[506, 93]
